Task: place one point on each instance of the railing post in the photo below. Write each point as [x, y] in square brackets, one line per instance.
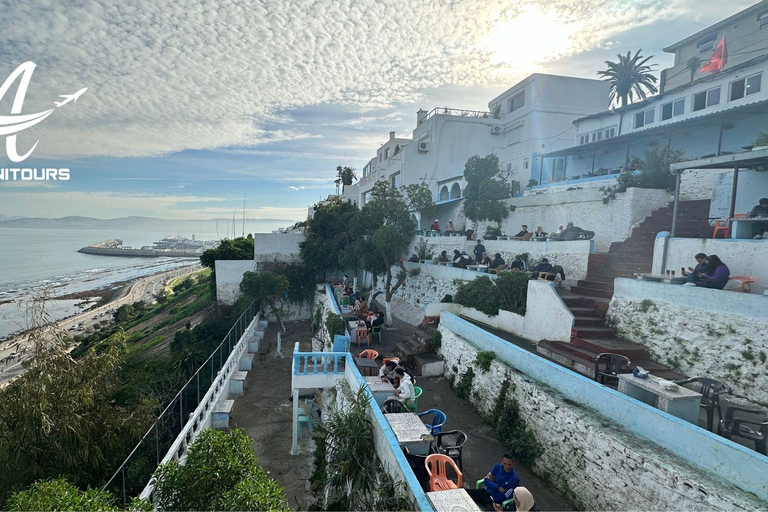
[157, 441]
[198, 387]
[125, 500]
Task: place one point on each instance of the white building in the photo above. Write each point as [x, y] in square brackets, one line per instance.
[534, 115]
[702, 114]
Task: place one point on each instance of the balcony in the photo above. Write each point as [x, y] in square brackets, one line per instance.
[447, 111]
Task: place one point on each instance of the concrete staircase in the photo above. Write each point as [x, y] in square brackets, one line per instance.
[589, 299]
[415, 352]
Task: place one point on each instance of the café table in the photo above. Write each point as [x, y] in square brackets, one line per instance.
[381, 390]
[682, 402]
[660, 278]
[410, 432]
[367, 367]
[453, 500]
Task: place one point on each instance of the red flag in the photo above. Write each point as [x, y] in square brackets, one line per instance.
[719, 57]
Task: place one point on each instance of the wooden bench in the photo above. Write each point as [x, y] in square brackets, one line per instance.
[220, 414]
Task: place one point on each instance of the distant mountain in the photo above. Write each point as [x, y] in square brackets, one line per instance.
[122, 222]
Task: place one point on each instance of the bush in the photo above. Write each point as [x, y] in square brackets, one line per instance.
[512, 290]
[650, 172]
[492, 232]
[334, 324]
[761, 139]
[60, 495]
[447, 298]
[484, 359]
[532, 183]
[220, 473]
[423, 250]
[479, 294]
[436, 340]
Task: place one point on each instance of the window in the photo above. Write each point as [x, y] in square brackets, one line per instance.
[672, 109]
[610, 132]
[526, 163]
[707, 43]
[706, 99]
[395, 180]
[644, 118]
[379, 157]
[745, 87]
[762, 19]
[517, 102]
[386, 153]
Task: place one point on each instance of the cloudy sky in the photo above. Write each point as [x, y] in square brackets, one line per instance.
[192, 104]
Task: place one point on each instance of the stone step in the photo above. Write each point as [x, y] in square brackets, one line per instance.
[593, 332]
[591, 292]
[658, 369]
[577, 359]
[634, 351]
[588, 321]
[427, 365]
[583, 312]
[405, 349]
[597, 285]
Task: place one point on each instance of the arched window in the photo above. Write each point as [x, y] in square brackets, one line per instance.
[455, 191]
[444, 193]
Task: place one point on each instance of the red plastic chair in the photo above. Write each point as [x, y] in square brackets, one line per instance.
[395, 359]
[745, 282]
[438, 473]
[724, 226]
[369, 353]
[363, 334]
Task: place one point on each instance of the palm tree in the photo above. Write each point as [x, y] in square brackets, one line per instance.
[346, 174]
[629, 77]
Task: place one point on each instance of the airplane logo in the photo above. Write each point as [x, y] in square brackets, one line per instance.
[69, 97]
[16, 122]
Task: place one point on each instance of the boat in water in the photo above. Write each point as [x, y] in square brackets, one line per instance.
[172, 246]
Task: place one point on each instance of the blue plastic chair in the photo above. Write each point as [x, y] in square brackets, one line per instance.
[438, 420]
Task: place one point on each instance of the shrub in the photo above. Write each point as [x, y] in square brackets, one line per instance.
[423, 250]
[414, 272]
[464, 386]
[492, 232]
[60, 495]
[653, 173]
[479, 294]
[512, 290]
[484, 359]
[532, 182]
[436, 340]
[447, 298]
[334, 324]
[761, 139]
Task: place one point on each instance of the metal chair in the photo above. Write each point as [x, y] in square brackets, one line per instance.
[394, 406]
[754, 426]
[710, 390]
[614, 365]
[450, 443]
[438, 420]
[437, 469]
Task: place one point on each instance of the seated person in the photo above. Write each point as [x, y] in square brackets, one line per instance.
[716, 276]
[345, 280]
[693, 273]
[543, 266]
[500, 483]
[539, 233]
[760, 212]
[462, 260]
[363, 308]
[572, 232]
[484, 259]
[413, 258]
[387, 371]
[559, 231]
[436, 225]
[405, 389]
[518, 264]
[523, 501]
[497, 261]
[522, 232]
[449, 228]
[442, 258]
[378, 320]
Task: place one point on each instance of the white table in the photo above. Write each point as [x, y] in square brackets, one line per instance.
[744, 228]
[454, 500]
[682, 402]
[380, 390]
[410, 432]
[353, 326]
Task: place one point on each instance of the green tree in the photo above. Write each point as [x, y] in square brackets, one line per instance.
[629, 77]
[346, 175]
[418, 198]
[327, 235]
[60, 495]
[238, 249]
[220, 473]
[381, 234]
[487, 188]
[270, 289]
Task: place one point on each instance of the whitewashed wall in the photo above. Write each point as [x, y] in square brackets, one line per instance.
[696, 184]
[743, 257]
[229, 274]
[752, 186]
[612, 222]
[705, 333]
[277, 246]
[596, 464]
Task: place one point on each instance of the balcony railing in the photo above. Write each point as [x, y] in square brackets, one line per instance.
[447, 111]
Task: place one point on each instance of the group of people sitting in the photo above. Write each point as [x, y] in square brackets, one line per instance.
[400, 378]
[570, 232]
[500, 485]
[710, 272]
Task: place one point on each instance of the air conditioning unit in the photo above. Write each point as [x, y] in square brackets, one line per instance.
[423, 147]
[495, 130]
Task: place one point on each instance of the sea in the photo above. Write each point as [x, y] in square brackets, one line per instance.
[43, 261]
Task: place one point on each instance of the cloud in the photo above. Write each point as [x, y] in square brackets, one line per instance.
[294, 188]
[170, 76]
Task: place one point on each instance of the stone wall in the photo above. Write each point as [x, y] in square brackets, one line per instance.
[612, 222]
[704, 333]
[696, 184]
[277, 247]
[229, 274]
[590, 458]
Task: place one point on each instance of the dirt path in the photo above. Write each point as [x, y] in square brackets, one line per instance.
[264, 411]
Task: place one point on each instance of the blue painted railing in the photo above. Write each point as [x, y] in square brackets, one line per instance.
[318, 363]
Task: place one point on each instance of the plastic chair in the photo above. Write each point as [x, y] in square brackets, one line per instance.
[479, 485]
[307, 414]
[363, 334]
[497, 269]
[345, 301]
[754, 426]
[418, 465]
[376, 331]
[369, 354]
[724, 226]
[437, 469]
[395, 359]
[710, 390]
[614, 365]
[452, 446]
[745, 282]
[394, 406]
[413, 403]
[438, 420]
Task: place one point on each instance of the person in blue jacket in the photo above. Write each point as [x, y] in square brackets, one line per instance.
[499, 483]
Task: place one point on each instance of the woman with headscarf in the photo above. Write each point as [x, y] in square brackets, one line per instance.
[523, 501]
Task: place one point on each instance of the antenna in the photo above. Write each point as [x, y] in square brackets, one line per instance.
[243, 215]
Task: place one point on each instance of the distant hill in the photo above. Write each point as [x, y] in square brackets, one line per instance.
[122, 222]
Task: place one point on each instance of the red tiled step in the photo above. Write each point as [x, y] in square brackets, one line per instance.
[591, 292]
[593, 332]
[597, 285]
[634, 351]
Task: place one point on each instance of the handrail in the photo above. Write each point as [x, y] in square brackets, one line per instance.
[317, 363]
[447, 111]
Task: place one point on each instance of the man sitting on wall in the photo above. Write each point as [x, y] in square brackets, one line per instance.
[543, 266]
[436, 225]
[572, 232]
[522, 232]
[693, 273]
[500, 483]
[518, 264]
[497, 261]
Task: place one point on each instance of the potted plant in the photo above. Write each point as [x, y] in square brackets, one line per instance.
[424, 251]
[761, 142]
